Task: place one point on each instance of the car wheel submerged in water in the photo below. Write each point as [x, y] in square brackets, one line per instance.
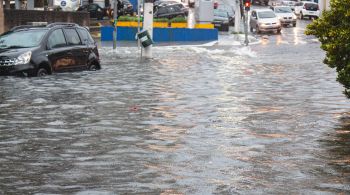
[43, 50]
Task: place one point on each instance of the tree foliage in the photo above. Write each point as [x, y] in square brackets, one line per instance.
[333, 31]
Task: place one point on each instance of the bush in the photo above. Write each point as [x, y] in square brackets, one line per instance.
[160, 20]
[129, 19]
[333, 31]
[178, 20]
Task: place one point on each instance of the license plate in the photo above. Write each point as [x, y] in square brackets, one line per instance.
[311, 12]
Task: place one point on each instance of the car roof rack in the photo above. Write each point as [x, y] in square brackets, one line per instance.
[25, 26]
[61, 24]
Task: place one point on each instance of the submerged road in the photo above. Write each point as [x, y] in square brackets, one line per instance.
[222, 119]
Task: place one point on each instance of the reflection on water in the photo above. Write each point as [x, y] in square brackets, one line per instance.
[195, 120]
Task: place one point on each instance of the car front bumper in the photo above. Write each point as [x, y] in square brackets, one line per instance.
[288, 21]
[269, 27]
[15, 69]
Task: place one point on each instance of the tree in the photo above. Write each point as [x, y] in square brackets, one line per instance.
[333, 31]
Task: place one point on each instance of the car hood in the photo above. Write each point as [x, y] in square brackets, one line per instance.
[219, 18]
[12, 53]
[285, 14]
[268, 20]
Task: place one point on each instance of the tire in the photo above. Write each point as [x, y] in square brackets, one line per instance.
[41, 72]
[93, 67]
[251, 29]
[294, 24]
[301, 15]
[257, 30]
[278, 31]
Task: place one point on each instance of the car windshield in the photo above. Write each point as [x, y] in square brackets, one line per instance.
[22, 39]
[266, 14]
[283, 10]
[220, 13]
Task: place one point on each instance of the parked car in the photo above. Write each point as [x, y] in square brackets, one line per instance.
[128, 8]
[95, 10]
[159, 4]
[285, 15]
[307, 9]
[169, 11]
[41, 50]
[264, 20]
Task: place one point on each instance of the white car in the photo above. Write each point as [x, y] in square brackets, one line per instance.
[285, 15]
[291, 4]
[264, 20]
[307, 9]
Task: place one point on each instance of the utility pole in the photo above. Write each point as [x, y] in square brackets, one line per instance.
[115, 17]
[237, 16]
[148, 24]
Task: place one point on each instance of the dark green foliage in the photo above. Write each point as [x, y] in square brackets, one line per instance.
[129, 18]
[160, 20]
[333, 31]
[178, 20]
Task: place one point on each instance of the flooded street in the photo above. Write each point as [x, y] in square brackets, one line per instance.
[269, 118]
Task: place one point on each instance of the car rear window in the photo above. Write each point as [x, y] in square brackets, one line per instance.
[311, 6]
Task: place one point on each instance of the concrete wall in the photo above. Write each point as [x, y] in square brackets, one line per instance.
[1, 20]
[21, 17]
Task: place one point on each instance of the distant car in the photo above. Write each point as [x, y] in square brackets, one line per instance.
[159, 4]
[38, 51]
[285, 15]
[291, 4]
[95, 10]
[261, 2]
[221, 20]
[264, 20]
[230, 12]
[307, 9]
[169, 11]
[127, 8]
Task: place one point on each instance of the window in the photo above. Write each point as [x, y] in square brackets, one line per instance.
[85, 36]
[56, 39]
[162, 10]
[72, 36]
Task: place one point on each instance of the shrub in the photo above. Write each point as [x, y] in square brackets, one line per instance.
[333, 31]
[178, 20]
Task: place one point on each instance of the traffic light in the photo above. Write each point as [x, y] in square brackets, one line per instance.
[246, 4]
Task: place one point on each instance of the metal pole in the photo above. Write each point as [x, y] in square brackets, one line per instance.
[237, 16]
[115, 16]
[245, 18]
[138, 24]
[148, 24]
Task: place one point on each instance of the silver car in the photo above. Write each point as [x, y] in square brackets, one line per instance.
[285, 15]
[264, 20]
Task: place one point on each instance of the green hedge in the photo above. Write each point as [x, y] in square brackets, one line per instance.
[178, 20]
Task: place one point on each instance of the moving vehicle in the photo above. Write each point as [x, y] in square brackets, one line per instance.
[291, 4]
[285, 15]
[95, 10]
[42, 50]
[221, 20]
[307, 9]
[264, 20]
[260, 2]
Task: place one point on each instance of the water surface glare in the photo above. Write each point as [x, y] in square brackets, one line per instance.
[267, 119]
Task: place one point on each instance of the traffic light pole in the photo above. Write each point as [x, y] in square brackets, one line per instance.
[246, 41]
[115, 17]
[237, 16]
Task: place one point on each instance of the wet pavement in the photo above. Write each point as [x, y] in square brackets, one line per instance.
[222, 119]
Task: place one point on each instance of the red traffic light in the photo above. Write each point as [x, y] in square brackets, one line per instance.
[247, 4]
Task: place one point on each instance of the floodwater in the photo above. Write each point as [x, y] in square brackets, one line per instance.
[222, 119]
